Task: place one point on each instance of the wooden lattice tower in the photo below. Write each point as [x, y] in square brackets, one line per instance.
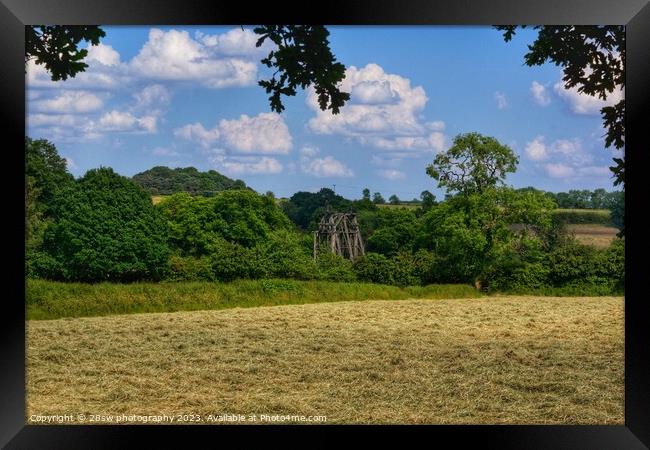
[339, 233]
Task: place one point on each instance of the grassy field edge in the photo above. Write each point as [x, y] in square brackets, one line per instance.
[54, 300]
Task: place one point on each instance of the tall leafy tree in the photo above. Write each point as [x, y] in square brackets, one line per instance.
[106, 228]
[46, 169]
[473, 164]
[593, 61]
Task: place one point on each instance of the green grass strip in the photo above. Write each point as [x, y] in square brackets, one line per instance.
[54, 300]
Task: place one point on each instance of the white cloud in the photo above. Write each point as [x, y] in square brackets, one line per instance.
[69, 102]
[325, 167]
[49, 120]
[241, 165]
[309, 151]
[536, 149]
[102, 54]
[197, 133]
[540, 94]
[568, 149]
[559, 170]
[236, 42]
[384, 111]
[265, 133]
[174, 55]
[380, 104]
[392, 174]
[434, 142]
[152, 99]
[500, 98]
[437, 125]
[583, 103]
[565, 158]
[123, 122]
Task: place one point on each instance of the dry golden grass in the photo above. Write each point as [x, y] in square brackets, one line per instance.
[493, 360]
[599, 236]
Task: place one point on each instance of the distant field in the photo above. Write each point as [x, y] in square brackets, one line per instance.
[600, 236]
[493, 360]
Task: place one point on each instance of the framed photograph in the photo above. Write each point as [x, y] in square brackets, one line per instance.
[372, 214]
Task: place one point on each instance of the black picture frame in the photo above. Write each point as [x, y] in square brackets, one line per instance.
[14, 14]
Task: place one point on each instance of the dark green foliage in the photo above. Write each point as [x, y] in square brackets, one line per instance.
[333, 267]
[618, 212]
[46, 169]
[585, 199]
[56, 47]
[569, 216]
[199, 224]
[428, 200]
[403, 269]
[473, 164]
[189, 268]
[388, 231]
[106, 228]
[302, 58]
[305, 209]
[162, 180]
[377, 199]
[375, 268]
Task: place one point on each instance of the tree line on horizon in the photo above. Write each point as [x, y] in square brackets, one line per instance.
[104, 227]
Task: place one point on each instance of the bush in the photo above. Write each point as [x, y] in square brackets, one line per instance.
[105, 228]
[333, 267]
[231, 261]
[283, 255]
[376, 268]
[189, 268]
[198, 224]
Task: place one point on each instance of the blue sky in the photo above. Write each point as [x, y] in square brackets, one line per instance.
[188, 96]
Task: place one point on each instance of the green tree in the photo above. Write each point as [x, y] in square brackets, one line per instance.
[593, 61]
[390, 230]
[306, 208]
[161, 180]
[428, 200]
[106, 228]
[393, 199]
[56, 47]
[46, 169]
[377, 199]
[473, 164]
[198, 225]
[366, 194]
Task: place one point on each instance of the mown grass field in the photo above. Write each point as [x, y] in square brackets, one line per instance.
[599, 236]
[490, 360]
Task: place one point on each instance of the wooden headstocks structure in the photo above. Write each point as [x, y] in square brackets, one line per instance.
[339, 233]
